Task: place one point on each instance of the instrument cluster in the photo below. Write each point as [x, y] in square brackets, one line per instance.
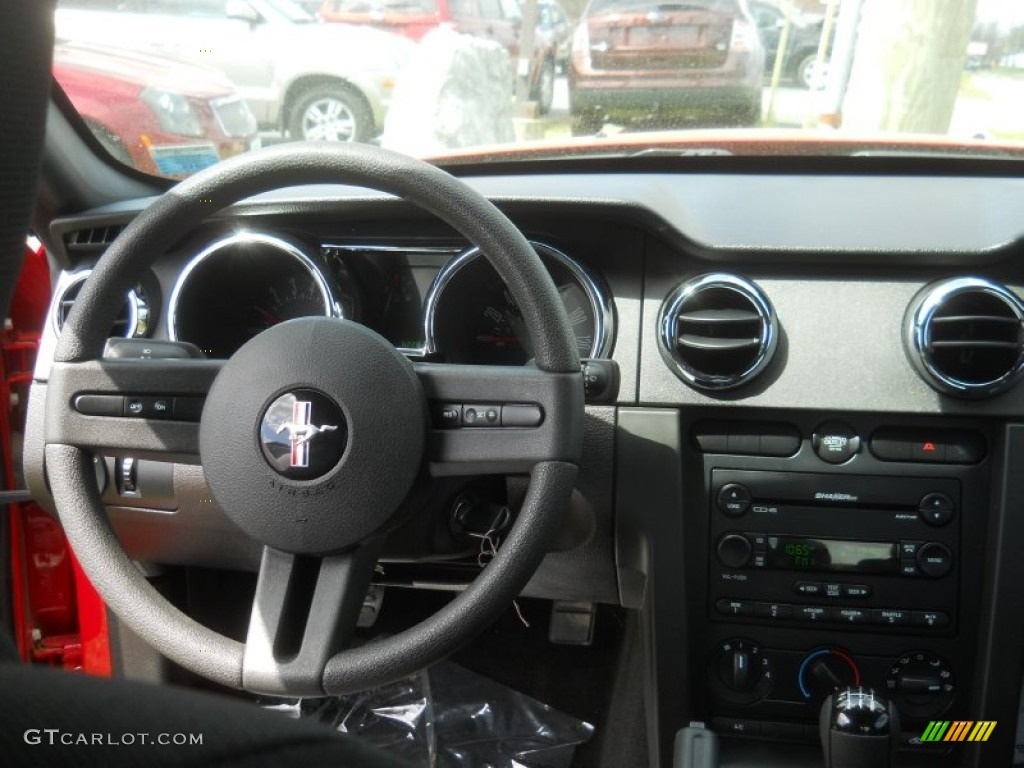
[437, 301]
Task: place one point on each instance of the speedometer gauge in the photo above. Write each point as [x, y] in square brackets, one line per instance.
[241, 285]
[472, 317]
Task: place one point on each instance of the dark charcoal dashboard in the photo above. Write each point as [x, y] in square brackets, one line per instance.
[805, 474]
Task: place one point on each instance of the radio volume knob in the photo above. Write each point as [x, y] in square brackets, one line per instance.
[734, 550]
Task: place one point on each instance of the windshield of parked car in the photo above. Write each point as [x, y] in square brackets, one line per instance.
[170, 87]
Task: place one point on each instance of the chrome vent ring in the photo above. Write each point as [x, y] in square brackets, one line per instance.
[131, 322]
[717, 331]
[965, 337]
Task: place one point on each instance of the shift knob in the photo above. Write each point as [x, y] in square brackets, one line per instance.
[858, 729]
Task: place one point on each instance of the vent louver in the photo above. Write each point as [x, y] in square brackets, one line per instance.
[130, 322]
[717, 331]
[966, 337]
[92, 239]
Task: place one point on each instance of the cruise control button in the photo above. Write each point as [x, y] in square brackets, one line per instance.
[836, 442]
[891, 617]
[734, 499]
[933, 619]
[448, 415]
[481, 415]
[149, 407]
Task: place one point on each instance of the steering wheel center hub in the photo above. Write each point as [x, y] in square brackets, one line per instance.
[303, 434]
[312, 435]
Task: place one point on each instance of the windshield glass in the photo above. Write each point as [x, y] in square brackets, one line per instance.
[172, 86]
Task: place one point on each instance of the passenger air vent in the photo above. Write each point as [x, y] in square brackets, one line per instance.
[966, 337]
[717, 331]
[91, 239]
[131, 321]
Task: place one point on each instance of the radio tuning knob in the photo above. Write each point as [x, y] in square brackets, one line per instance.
[734, 550]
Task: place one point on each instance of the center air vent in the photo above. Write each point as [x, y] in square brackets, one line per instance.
[131, 320]
[717, 331]
[966, 337]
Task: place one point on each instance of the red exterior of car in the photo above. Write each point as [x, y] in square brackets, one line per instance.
[105, 85]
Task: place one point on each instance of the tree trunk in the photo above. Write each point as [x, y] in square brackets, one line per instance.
[908, 65]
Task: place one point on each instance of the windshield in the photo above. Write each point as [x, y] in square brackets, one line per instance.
[172, 86]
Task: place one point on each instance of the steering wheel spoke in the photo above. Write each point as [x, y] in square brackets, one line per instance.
[304, 612]
[141, 408]
[500, 419]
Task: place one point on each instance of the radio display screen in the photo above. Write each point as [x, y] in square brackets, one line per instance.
[798, 553]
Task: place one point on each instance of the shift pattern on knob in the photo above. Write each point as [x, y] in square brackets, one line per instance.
[859, 710]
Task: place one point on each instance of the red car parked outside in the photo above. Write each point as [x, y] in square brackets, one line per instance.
[158, 115]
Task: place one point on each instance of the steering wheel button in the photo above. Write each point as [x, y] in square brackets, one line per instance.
[448, 415]
[521, 415]
[481, 415]
[100, 405]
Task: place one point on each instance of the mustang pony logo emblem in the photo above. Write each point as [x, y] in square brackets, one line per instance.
[301, 431]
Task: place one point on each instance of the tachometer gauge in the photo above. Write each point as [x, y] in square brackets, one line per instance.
[472, 317]
[241, 285]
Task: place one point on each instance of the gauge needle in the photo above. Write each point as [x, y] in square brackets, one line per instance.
[270, 317]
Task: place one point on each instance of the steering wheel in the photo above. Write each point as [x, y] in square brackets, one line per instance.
[321, 523]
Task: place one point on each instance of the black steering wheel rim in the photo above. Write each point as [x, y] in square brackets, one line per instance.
[80, 348]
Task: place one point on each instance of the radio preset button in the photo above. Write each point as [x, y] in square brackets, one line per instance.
[936, 509]
[932, 619]
[851, 615]
[934, 559]
[836, 442]
[735, 607]
[808, 588]
[773, 610]
[812, 613]
[890, 617]
[734, 550]
[856, 590]
[734, 500]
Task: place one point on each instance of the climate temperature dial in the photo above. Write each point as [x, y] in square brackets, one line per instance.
[825, 670]
[921, 684]
[742, 672]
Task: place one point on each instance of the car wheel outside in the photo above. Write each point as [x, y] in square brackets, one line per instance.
[330, 112]
[809, 74]
[544, 90]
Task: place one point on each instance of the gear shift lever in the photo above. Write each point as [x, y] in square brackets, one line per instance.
[858, 729]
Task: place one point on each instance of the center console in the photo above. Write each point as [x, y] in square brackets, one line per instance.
[820, 574]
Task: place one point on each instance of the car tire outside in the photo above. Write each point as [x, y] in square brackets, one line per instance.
[809, 75]
[544, 90]
[330, 112]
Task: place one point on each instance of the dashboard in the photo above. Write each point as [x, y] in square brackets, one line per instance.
[804, 474]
